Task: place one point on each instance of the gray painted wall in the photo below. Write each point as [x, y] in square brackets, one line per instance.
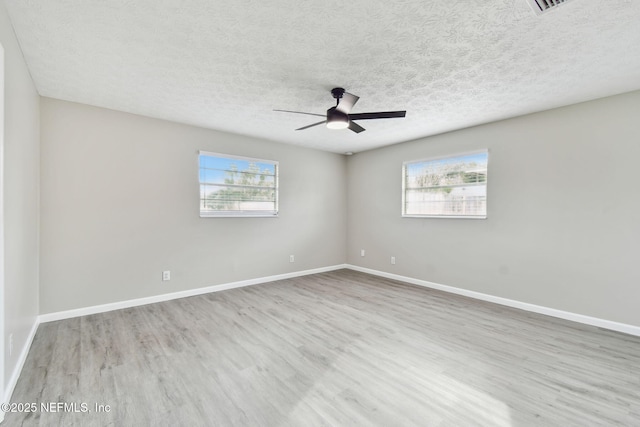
[563, 226]
[119, 205]
[20, 186]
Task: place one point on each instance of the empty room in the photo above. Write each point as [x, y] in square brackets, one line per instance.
[284, 213]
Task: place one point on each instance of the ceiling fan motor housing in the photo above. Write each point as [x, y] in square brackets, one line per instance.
[337, 119]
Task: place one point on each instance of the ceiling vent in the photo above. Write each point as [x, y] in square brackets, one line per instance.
[544, 6]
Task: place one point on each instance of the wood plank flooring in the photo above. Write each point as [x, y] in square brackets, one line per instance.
[334, 349]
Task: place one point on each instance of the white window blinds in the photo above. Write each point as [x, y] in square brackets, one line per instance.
[237, 186]
[450, 187]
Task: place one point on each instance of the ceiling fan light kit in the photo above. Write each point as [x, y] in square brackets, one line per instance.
[337, 119]
[340, 117]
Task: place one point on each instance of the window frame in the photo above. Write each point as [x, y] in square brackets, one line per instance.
[436, 159]
[240, 214]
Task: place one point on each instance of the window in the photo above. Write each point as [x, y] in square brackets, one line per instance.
[237, 186]
[450, 187]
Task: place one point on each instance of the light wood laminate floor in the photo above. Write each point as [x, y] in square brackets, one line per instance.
[334, 349]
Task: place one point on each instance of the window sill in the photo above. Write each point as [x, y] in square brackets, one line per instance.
[445, 216]
[237, 216]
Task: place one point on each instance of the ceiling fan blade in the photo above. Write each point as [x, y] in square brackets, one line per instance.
[312, 125]
[378, 115]
[347, 102]
[356, 127]
[301, 112]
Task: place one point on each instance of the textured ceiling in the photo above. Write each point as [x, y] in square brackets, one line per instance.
[227, 65]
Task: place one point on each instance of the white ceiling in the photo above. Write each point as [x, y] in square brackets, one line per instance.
[227, 65]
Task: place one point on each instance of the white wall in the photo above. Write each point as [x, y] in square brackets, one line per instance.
[563, 220]
[20, 187]
[2, 332]
[119, 205]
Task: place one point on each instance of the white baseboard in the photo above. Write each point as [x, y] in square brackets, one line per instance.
[567, 315]
[580, 318]
[68, 314]
[22, 358]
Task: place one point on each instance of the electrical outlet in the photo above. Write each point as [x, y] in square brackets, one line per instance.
[10, 344]
[393, 260]
[292, 258]
[361, 252]
[166, 275]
